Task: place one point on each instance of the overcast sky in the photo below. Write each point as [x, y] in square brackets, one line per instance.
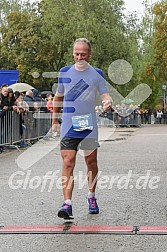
[136, 5]
[133, 5]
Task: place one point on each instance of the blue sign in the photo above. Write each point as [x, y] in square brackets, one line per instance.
[9, 77]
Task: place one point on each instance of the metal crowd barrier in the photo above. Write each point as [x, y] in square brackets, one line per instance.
[6, 128]
[17, 127]
[115, 120]
[164, 118]
[36, 124]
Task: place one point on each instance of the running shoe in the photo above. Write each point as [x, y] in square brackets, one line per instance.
[65, 211]
[93, 207]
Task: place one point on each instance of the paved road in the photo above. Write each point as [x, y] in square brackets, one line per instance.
[131, 191]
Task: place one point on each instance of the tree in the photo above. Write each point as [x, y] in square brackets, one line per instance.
[23, 47]
[8, 6]
[160, 46]
[39, 38]
[155, 46]
[102, 22]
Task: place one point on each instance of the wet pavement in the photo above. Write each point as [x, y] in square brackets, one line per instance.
[131, 191]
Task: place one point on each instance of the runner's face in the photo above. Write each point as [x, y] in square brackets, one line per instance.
[81, 52]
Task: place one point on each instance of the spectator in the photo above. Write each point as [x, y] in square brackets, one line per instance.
[36, 96]
[11, 100]
[29, 99]
[7, 99]
[49, 104]
[149, 113]
[7, 104]
[145, 116]
[2, 112]
[22, 105]
[16, 94]
[159, 116]
[41, 102]
[36, 107]
[4, 98]
[142, 111]
[23, 108]
[155, 116]
[4, 85]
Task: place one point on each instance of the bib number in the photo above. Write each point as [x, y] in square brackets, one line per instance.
[82, 122]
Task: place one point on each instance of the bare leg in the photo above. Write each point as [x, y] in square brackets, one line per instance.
[69, 158]
[92, 169]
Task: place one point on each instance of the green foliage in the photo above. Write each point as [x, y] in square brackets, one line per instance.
[39, 38]
[155, 46]
[160, 45]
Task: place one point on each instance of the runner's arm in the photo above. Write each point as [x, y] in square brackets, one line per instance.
[57, 106]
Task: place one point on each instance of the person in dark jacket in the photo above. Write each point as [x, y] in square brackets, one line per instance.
[41, 102]
[29, 99]
[7, 100]
[4, 98]
[7, 105]
[36, 96]
[11, 99]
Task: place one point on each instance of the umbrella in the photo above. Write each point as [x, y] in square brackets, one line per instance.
[21, 87]
[127, 101]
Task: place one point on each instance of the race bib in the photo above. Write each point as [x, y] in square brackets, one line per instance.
[82, 122]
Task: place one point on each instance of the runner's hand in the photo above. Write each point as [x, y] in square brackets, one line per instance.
[107, 104]
[55, 127]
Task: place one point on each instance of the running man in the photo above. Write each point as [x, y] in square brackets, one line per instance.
[76, 93]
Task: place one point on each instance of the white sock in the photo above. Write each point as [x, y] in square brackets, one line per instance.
[91, 194]
[68, 201]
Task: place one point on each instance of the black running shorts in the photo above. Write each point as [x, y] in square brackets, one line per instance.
[70, 143]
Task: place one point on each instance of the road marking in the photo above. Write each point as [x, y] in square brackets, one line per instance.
[153, 230]
[31, 229]
[101, 229]
[152, 134]
[73, 229]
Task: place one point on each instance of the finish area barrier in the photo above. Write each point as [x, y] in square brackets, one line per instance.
[16, 128]
[69, 228]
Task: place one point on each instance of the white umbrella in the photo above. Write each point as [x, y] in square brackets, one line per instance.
[21, 87]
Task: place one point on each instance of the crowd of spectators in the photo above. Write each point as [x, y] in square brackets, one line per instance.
[131, 115]
[30, 100]
[23, 102]
[122, 115]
